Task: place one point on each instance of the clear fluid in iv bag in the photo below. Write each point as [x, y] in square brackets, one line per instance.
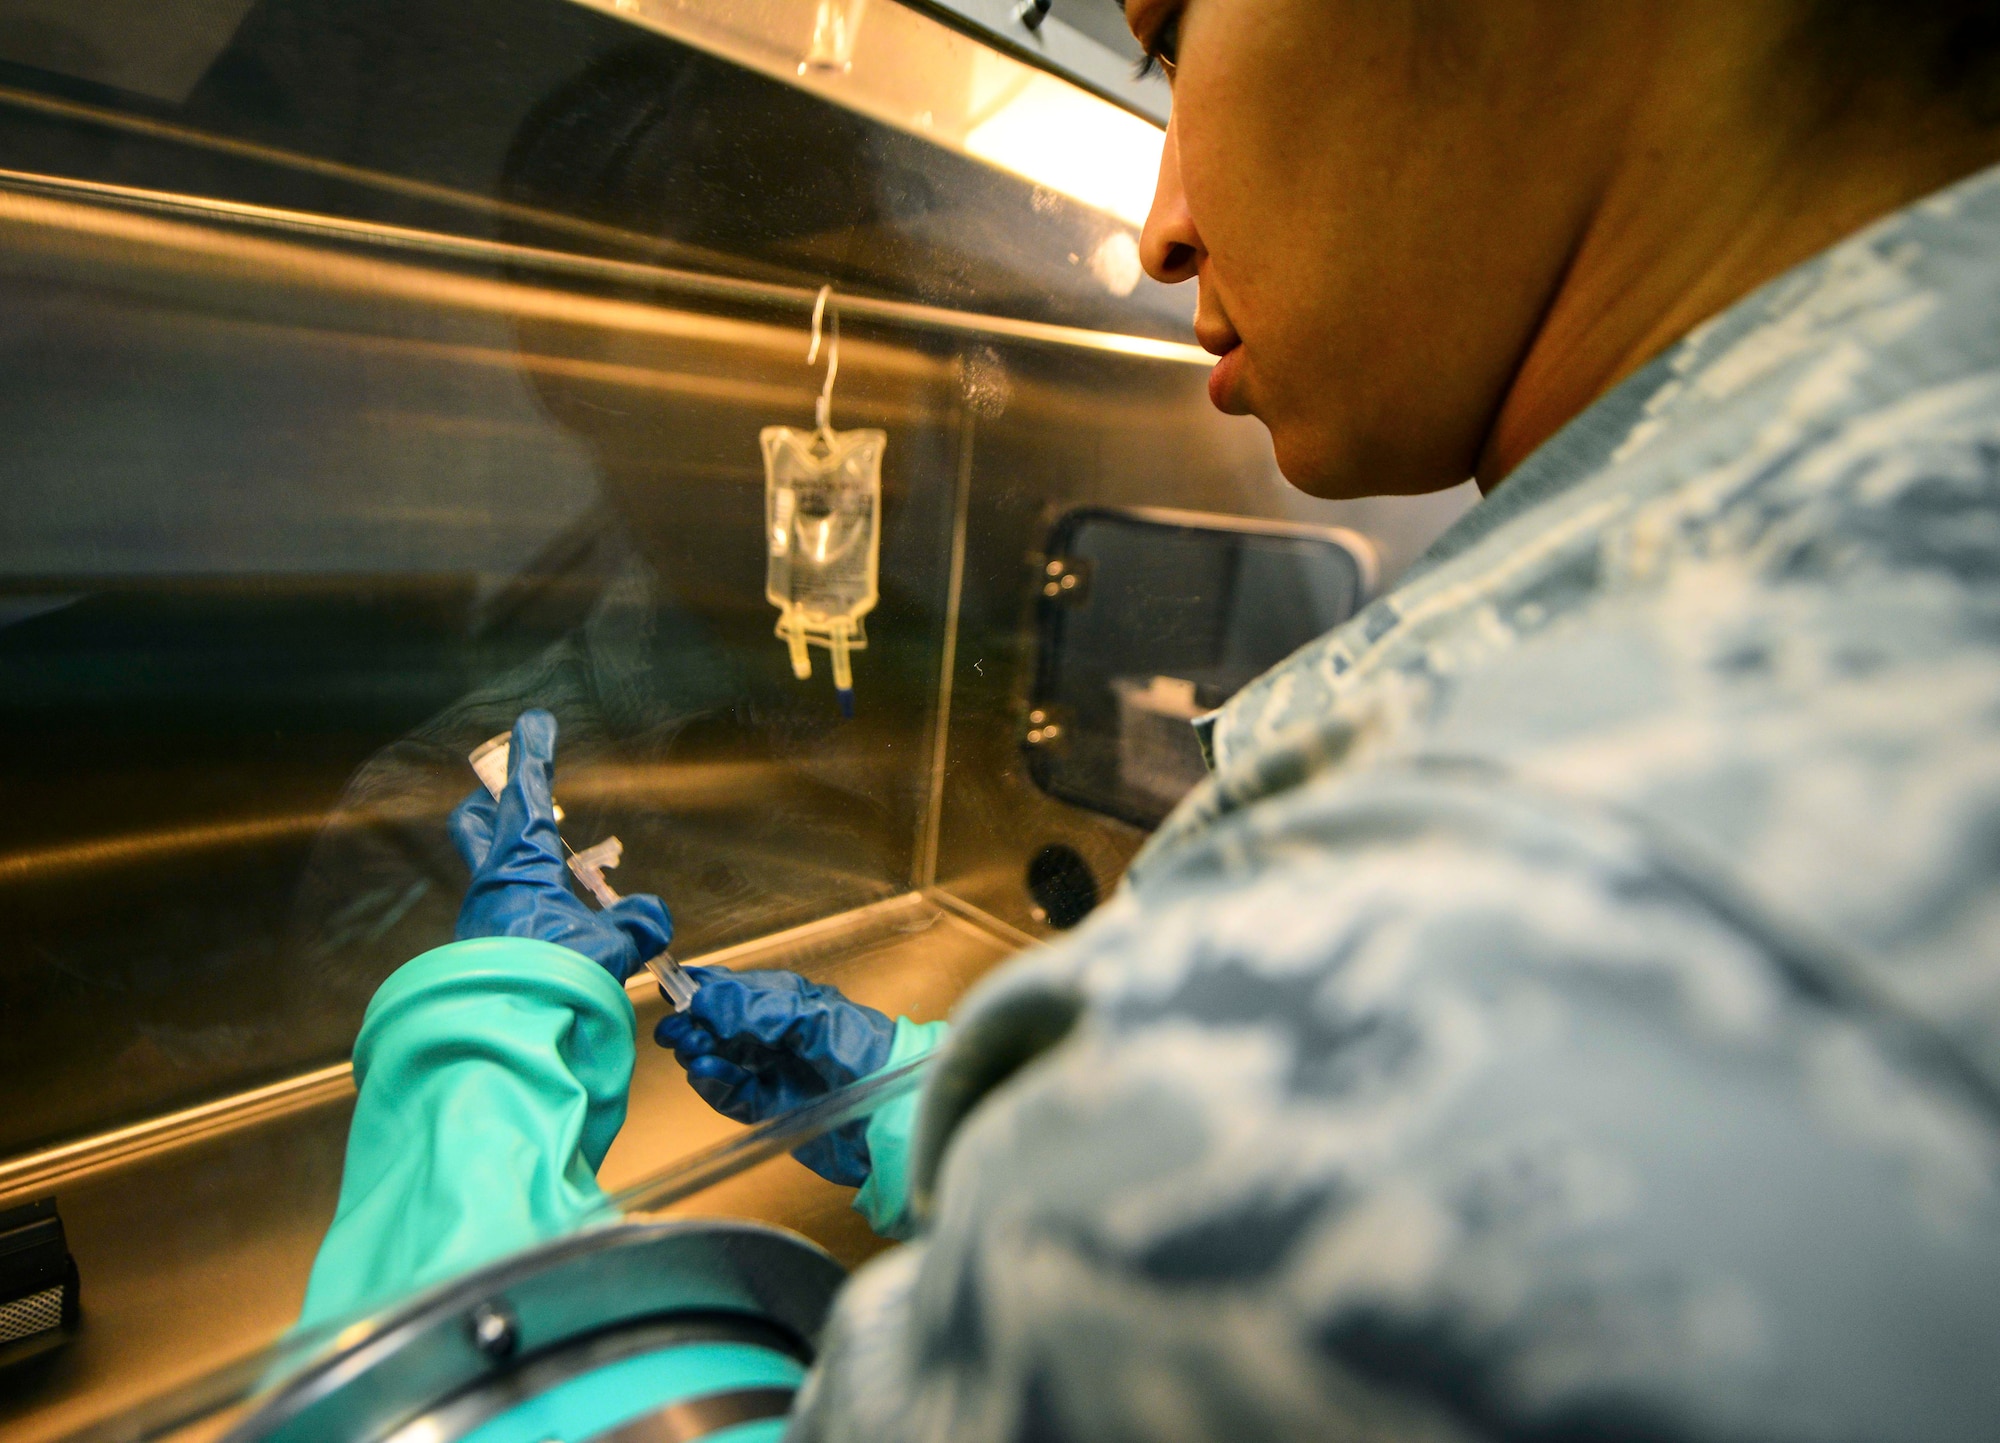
[823, 524]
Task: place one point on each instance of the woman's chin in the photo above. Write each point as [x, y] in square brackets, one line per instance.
[1310, 460]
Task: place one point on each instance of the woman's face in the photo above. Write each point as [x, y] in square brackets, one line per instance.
[1379, 198]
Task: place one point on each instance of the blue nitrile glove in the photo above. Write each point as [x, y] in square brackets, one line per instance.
[520, 882]
[757, 1044]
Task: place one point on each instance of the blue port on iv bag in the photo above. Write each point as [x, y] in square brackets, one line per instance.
[823, 528]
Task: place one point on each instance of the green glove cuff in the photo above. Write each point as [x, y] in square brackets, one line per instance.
[493, 1076]
[885, 1198]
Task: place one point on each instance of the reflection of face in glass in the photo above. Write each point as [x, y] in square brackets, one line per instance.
[682, 151]
[730, 173]
[655, 648]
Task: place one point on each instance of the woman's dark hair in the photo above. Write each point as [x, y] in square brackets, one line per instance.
[1931, 51]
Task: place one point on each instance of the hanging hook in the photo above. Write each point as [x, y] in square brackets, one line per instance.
[823, 412]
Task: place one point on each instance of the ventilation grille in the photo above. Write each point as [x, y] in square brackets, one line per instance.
[36, 1313]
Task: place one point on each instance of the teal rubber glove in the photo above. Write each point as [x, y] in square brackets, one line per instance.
[885, 1198]
[520, 881]
[493, 1077]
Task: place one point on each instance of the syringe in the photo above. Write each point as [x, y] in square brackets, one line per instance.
[675, 983]
[489, 763]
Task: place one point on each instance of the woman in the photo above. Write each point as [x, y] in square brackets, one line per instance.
[1572, 1010]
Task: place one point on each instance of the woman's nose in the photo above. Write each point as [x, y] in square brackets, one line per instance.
[1170, 247]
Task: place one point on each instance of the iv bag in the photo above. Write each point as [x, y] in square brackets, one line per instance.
[823, 523]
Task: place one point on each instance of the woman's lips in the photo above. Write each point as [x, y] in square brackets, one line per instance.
[1223, 380]
[1219, 337]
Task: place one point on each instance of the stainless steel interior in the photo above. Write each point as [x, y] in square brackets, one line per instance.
[381, 369]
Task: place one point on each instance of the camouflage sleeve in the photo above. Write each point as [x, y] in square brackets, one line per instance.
[1410, 1107]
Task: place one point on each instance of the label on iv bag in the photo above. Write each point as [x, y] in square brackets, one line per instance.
[823, 514]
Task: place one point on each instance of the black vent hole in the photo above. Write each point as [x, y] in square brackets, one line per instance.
[1061, 885]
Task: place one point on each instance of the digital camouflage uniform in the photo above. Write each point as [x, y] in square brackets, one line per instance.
[1572, 1009]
